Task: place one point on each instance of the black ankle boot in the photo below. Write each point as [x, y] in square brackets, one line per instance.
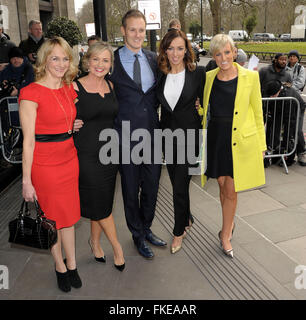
[74, 277]
[63, 281]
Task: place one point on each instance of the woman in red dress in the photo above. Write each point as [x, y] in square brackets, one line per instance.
[50, 163]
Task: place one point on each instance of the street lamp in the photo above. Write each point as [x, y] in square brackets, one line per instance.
[201, 24]
[265, 27]
[100, 18]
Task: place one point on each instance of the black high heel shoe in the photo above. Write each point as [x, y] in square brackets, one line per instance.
[119, 267]
[74, 277]
[100, 259]
[63, 281]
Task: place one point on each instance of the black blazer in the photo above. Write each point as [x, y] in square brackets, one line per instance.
[184, 115]
[135, 106]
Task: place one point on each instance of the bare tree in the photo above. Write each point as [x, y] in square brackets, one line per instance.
[182, 4]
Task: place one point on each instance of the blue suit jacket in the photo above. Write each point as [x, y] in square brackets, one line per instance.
[135, 106]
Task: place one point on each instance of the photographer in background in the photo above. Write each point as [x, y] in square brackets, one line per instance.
[31, 45]
[5, 46]
[296, 71]
[16, 75]
[274, 88]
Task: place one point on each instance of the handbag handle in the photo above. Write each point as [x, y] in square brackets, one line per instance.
[39, 212]
[26, 211]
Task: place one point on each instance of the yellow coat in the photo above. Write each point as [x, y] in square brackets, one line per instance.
[248, 133]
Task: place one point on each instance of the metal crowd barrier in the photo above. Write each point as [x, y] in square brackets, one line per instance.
[281, 118]
[10, 130]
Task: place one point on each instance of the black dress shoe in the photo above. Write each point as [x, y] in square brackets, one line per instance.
[144, 249]
[63, 281]
[74, 277]
[152, 238]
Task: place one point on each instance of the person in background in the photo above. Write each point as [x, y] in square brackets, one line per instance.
[97, 108]
[296, 70]
[180, 85]
[242, 57]
[18, 73]
[35, 39]
[174, 24]
[93, 39]
[90, 41]
[275, 71]
[274, 88]
[50, 166]
[5, 46]
[236, 141]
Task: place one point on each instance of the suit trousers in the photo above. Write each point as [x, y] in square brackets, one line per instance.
[139, 191]
[180, 180]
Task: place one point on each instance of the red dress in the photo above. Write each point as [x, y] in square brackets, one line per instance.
[55, 168]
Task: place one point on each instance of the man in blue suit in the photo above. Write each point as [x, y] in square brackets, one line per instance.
[134, 78]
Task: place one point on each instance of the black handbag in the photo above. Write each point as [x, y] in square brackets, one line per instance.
[37, 233]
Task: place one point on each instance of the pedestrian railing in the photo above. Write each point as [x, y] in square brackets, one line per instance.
[10, 130]
[281, 118]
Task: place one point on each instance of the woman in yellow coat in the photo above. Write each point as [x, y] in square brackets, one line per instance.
[235, 142]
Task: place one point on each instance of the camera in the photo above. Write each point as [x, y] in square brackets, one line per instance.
[34, 56]
[7, 87]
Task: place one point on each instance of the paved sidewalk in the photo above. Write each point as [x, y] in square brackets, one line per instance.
[269, 243]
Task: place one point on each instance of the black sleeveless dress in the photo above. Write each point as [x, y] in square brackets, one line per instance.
[96, 180]
[219, 131]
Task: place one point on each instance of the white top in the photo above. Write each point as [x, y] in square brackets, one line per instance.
[174, 87]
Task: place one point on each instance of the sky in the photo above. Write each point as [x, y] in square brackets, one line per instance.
[78, 4]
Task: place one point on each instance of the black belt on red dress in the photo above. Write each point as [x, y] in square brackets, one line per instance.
[52, 137]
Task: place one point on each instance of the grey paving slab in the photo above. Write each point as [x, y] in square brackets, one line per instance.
[274, 261]
[288, 194]
[164, 278]
[298, 169]
[9, 259]
[279, 291]
[256, 201]
[299, 294]
[296, 248]
[280, 225]
[276, 175]
[268, 242]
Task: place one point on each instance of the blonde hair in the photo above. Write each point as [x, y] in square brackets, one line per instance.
[97, 47]
[43, 54]
[219, 41]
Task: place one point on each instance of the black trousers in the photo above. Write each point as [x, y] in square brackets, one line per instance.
[139, 191]
[180, 179]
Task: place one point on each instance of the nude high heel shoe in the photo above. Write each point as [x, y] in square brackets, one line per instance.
[230, 252]
[179, 247]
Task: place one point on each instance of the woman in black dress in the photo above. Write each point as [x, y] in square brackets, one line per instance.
[179, 87]
[97, 108]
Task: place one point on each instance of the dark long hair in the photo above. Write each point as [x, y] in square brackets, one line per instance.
[162, 60]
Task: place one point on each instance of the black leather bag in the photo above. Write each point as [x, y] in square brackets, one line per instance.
[38, 232]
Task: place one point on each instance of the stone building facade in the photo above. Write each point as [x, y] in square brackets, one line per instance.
[15, 15]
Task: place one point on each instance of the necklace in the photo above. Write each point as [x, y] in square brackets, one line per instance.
[61, 106]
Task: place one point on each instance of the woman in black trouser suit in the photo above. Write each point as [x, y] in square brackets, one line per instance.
[180, 84]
